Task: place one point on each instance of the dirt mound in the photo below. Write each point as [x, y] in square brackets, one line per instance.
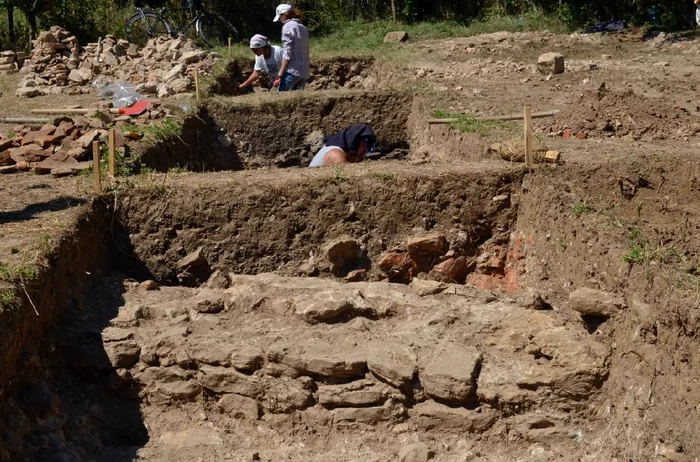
[604, 113]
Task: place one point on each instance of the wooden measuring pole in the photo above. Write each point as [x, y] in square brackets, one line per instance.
[534, 115]
[230, 50]
[96, 166]
[527, 125]
[112, 153]
[196, 82]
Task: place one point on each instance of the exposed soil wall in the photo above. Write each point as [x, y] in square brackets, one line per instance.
[440, 142]
[58, 284]
[224, 134]
[33, 413]
[633, 233]
[275, 225]
[326, 74]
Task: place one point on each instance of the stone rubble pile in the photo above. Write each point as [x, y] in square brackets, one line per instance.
[164, 67]
[60, 148]
[431, 256]
[11, 62]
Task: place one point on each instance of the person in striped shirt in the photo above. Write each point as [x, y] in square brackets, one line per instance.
[294, 71]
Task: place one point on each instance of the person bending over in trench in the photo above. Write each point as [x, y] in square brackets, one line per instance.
[268, 59]
[347, 146]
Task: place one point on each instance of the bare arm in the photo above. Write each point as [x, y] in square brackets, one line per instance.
[283, 67]
[253, 77]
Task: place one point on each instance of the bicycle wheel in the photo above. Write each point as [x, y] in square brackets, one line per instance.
[146, 25]
[215, 30]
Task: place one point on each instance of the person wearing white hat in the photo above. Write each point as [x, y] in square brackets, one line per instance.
[294, 71]
[268, 59]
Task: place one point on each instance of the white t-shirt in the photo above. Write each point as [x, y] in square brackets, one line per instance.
[317, 161]
[271, 65]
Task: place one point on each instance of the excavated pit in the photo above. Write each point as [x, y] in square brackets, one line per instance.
[225, 134]
[326, 74]
[236, 356]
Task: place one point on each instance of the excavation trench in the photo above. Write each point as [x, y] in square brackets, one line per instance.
[237, 353]
[326, 74]
[225, 134]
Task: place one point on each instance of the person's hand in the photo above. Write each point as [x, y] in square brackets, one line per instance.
[242, 86]
[277, 81]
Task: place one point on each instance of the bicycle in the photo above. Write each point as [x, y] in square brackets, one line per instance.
[213, 29]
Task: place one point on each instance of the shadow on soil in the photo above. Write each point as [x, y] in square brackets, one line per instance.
[30, 211]
[93, 388]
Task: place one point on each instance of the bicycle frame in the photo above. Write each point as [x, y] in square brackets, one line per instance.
[164, 14]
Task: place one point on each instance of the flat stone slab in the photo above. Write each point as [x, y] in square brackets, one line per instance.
[392, 362]
[450, 373]
[355, 394]
[319, 357]
[227, 380]
[430, 415]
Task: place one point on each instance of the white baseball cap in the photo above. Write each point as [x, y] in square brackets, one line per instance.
[258, 41]
[281, 9]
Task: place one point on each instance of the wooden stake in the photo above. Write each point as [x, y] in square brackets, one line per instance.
[196, 82]
[527, 126]
[230, 51]
[112, 153]
[96, 166]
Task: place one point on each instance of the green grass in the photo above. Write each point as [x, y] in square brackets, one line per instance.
[533, 20]
[582, 208]
[642, 251]
[8, 297]
[368, 38]
[468, 124]
[337, 178]
[170, 127]
[17, 274]
[47, 245]
[122, 166]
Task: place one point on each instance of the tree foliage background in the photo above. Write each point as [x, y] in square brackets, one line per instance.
[89, 19]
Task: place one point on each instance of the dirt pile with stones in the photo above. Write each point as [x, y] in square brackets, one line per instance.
[165, 66]
[604, 113]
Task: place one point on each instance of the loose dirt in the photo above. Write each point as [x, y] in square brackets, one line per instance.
[257, 361]
[606, 113]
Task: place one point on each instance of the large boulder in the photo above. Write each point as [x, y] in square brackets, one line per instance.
[319, 358]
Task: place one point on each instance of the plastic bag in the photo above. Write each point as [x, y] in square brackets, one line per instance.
[123, 94]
